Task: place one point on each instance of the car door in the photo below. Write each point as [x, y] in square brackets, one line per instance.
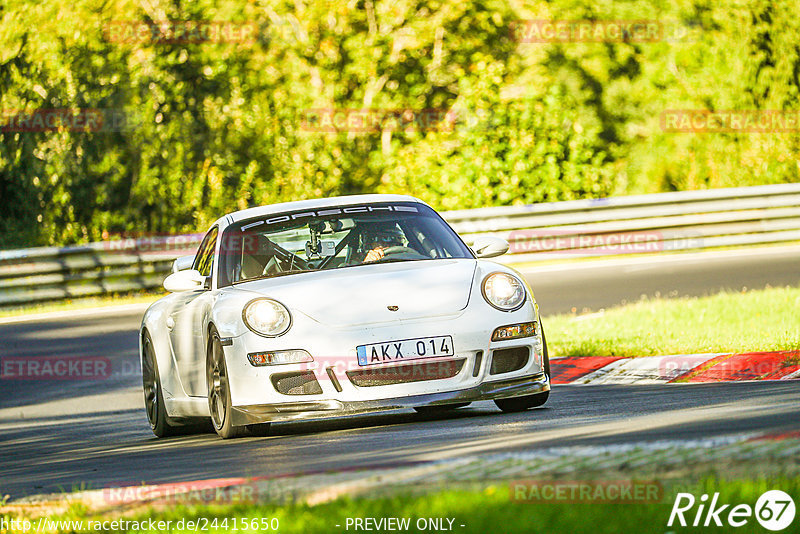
[187, 319]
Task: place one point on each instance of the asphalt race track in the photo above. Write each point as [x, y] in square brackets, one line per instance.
[61, 435]
[602, 283]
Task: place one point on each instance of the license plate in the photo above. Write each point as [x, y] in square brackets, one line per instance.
[405, 349]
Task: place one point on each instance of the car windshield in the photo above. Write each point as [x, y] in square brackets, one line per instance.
[335, 238]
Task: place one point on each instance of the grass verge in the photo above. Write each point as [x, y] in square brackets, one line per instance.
[491, 509]
[759, 320]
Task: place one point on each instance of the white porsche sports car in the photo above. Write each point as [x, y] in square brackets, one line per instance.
[332, 307]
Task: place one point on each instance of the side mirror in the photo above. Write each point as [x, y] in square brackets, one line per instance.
[182, 263]
[184, 281]
[489, 247]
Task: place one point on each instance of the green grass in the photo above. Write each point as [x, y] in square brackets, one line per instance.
[81, 303]
[480, 511]
[763, 320]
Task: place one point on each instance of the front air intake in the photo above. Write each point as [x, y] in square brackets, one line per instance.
[508, 360]
[403, 374]
[298, 383]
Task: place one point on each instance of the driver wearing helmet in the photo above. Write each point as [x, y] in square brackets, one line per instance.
[379, 237]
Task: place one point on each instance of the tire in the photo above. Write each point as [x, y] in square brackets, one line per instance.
[160, 422]
[440, 408]
[520, 404]
[219, 393]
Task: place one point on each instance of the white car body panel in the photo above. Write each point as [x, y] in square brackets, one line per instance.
[440, 288]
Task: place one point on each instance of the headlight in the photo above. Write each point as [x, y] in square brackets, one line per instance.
[267, 317]
[503, 291]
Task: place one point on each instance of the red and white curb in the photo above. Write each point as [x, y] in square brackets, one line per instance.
[681, 368]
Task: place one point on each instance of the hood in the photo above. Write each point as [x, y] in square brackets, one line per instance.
[358, 295]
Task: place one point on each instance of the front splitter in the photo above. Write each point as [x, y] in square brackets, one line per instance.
[316, 409]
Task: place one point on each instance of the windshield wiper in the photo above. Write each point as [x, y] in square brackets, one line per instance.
[393, 260]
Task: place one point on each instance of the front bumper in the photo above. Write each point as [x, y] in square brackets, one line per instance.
[314, 409]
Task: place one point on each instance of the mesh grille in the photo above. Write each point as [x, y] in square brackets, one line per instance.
[507, 360]
[403, 374]
[302, 383]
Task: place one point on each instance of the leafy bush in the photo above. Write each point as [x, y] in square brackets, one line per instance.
[217, 126]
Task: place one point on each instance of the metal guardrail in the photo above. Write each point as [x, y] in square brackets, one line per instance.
[687, 220]
[54, 273]
[690, 220]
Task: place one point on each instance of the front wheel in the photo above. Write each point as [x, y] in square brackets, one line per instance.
[160, 422]
[219, 393]
[520, 404]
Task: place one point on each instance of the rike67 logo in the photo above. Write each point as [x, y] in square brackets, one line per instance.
[774, 510]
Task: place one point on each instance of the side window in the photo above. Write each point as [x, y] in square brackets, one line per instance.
[204, 260]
